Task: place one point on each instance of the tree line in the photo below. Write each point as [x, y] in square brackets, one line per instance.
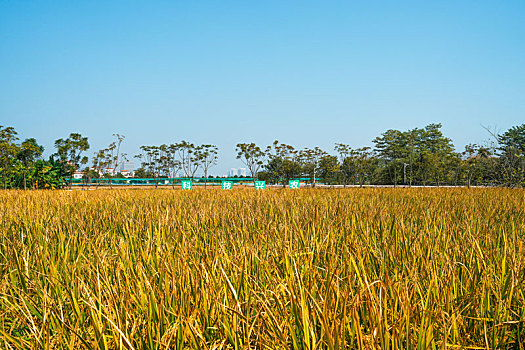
[420, 156]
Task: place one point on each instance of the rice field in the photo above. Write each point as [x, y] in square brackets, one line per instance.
[275, 269]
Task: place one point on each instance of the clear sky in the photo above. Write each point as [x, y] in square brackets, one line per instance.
[307, 73]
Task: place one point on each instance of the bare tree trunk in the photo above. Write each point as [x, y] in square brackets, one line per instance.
[253, 176]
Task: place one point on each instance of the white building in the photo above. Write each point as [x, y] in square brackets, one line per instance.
[128, 173]
[110, 171]
[237, 172]
[127, 165]
[78, 174]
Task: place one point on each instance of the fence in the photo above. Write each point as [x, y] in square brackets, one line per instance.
[165, 181]
[162, 181]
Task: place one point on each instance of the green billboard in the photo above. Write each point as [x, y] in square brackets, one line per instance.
[260, 185]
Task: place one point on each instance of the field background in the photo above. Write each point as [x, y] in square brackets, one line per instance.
[311, 268]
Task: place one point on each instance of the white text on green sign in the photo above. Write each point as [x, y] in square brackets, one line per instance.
[227, 185]
[186, 184]
[294, 184]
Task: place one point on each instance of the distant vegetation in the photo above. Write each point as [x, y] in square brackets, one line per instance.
[421, 156]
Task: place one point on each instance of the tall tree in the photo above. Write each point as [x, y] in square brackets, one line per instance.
[427, 152]
[438, 153]
[69, 152]
[252, 156]
[172, 163]
[514, 137]
[478, 165]
[359, 166]
[328, 168]
[512, 150]
[310, 159]
[118, 142]
[99, 163]
[283, 162]
[168, 164]
[391, 147]
[150, 159]
[29, 152]
[8, 152]
[207, 157]
[188, 158]
[343, 151]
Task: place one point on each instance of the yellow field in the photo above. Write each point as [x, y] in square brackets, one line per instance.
[274, 269]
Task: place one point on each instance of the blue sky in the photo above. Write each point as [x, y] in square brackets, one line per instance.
[307, 73]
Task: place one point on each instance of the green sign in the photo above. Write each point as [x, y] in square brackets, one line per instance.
[186, 184]
[260, 185]
[293, 184]
[227, 185]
